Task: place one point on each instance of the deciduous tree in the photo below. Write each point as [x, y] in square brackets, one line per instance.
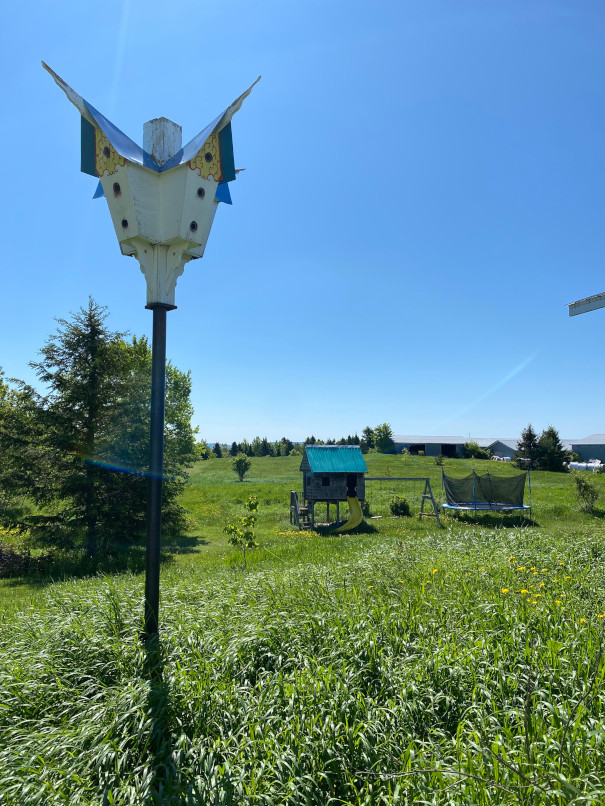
[241, 465]
[383, 438]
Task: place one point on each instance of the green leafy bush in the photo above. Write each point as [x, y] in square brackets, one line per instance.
[13, 562]
[586, 491]
[472, 450]
[400, 507]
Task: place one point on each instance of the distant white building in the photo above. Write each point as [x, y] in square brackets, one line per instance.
[592, 447]
[451, 446]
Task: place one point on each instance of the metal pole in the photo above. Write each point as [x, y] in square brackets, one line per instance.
[156, 467]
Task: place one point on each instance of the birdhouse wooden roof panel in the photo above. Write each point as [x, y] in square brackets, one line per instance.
[333, 459]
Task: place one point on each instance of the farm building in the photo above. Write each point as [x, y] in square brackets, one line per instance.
[592, 447]
[451, 446]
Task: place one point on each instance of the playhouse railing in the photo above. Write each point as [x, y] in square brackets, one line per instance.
[298, 515]
[294, 509]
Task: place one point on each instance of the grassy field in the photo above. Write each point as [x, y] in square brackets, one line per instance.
[406, 663]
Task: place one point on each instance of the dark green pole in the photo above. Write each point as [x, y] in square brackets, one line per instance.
[156, 469]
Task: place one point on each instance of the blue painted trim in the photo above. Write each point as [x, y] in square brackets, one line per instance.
[222, 194]
[225, 140]
[131, 151]
[121, 142]
[87, 148]
[189, 151]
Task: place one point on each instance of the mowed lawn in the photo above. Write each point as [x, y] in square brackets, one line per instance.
[406, 663]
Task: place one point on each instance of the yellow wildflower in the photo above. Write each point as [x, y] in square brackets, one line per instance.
[504, 590]
[582, 621]
[524, 590]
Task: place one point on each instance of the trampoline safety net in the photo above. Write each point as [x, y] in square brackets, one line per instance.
[485, 492]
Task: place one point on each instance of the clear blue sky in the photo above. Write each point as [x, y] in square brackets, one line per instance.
[424, 192]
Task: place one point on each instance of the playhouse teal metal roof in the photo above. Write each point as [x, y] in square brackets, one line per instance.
[333, 459]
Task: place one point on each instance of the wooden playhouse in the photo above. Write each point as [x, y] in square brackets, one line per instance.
[331, 474]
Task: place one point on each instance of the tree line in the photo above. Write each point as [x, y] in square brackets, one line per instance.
[76, 455]
[379, 439]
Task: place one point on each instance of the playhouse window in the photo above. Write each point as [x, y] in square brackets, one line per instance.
[325, 481]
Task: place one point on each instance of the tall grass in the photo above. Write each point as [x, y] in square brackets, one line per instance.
[461, 665]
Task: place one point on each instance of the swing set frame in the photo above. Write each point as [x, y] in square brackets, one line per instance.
[427, 494]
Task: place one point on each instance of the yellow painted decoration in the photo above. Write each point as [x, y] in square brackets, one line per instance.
[208, 159]
[106, 157]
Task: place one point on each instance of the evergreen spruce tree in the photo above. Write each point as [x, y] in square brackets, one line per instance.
[95, 424]
[527, 448]
[234, 449]
[367, 439]
[218, 451]
[551, 453]
[83, 366]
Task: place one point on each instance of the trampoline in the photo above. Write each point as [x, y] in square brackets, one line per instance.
[486, 493]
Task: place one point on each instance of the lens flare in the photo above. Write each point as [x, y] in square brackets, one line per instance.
[120, 51]
[116, 467]
[502, 382]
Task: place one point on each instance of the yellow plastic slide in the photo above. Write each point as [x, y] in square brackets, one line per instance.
[355, 515]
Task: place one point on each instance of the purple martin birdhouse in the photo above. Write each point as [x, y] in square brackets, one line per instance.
[162, 197]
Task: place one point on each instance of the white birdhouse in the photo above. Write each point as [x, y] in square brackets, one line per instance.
[162, 198]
